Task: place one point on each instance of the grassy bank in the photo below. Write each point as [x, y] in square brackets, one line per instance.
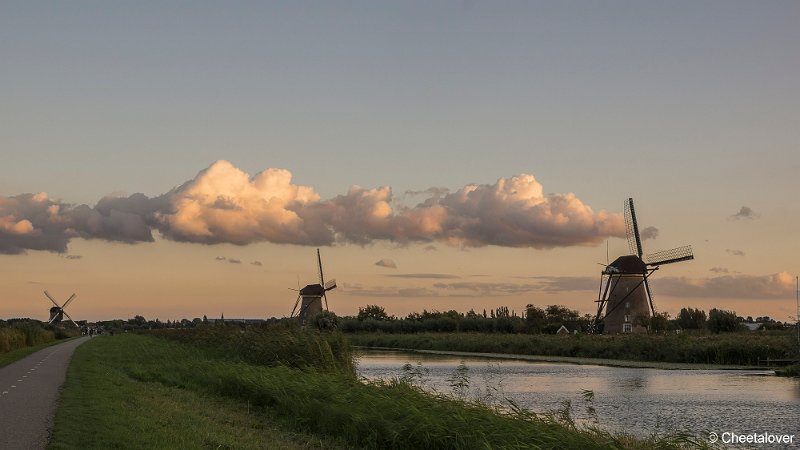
[743, 349]
[133, 391]
[15, 355]
[23, 338]
[789, 371]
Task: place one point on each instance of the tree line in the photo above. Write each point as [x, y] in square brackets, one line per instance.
[537, 320]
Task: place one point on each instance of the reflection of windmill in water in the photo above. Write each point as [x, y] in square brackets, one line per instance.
[309, 299]
[624, 290]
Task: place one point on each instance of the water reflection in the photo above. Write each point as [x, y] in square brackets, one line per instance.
[640, 401]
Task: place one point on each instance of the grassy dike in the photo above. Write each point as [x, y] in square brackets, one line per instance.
[144, 391]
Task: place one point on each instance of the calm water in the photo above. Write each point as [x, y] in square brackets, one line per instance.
[625, 399]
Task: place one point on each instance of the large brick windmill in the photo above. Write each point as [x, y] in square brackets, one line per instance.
[626, 302]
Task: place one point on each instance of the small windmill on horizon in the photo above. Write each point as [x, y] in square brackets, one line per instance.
[57, 312]
[309, 298]
[625, 304]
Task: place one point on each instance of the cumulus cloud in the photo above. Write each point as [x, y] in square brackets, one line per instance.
[38, 222]
[745, 212]
[734, 252]
[388, 263]
[256, 263]
[430, 248]
[778, 285]
[649, 233]
[73, 256]
[221, 258]
[234, 261]
[223, 204]
[718, 270]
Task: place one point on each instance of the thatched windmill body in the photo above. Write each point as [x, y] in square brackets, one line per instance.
[625, 303]
[310, 298]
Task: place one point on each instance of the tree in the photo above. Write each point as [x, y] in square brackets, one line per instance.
[659, 322]
[720, 320]
[375, 312]
[691, 319]
[535, 319]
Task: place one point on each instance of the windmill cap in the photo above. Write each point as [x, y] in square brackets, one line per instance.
[312, 289]
[628, 264]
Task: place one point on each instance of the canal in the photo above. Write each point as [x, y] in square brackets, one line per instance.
[634, 400]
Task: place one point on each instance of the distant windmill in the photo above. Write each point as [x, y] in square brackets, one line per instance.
[310, 297]
[625, 302]
[57, 312]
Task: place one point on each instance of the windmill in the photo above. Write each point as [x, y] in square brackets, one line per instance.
[310, 297]
[57, 312]
[625, 302]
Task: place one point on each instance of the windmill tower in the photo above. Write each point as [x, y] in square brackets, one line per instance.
[57, 312]
[310, 297]
[625, 304]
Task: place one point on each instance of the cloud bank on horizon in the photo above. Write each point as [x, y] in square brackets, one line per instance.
[223, 204]
[745, 287]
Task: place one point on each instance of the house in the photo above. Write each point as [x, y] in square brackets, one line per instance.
[753, 326]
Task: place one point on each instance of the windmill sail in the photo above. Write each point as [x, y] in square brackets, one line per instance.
[632, 229]
[670, 256]
[330, 284]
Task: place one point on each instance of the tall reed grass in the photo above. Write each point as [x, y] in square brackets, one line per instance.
[277, 345]
[24, 334]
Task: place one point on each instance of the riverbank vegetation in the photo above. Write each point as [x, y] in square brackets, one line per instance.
[21, 337]
[228, 387]
[731, 348]
[548, 320]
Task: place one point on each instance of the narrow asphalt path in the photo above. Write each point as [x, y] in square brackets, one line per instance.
[29, 390]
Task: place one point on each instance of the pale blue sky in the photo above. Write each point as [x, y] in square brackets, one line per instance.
[691, 107]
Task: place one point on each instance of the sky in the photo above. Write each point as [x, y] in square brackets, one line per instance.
[180, 159]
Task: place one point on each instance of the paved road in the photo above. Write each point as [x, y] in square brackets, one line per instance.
[29, 390]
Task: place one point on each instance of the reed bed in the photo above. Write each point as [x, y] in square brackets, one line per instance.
[24, 334]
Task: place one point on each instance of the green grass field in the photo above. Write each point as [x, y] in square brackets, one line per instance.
[146, 392]
[105, 404]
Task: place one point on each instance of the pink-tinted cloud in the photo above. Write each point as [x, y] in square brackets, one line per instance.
[778, 285]
[388, 263]
[223, 204]
[38, 222]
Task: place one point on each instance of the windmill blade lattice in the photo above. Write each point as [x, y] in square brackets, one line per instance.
[670, 256]
[632, 229]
